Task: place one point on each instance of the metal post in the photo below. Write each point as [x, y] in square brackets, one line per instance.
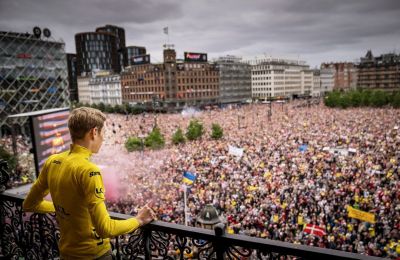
[147, 248]
[185, 202]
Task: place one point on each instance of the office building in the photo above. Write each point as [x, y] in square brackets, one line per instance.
[72, 77]
[280, 78]
[132, 52]
[119, 33]
[382, 72]
[96, 51]
[234, 80]
[344, 73]
[33, 75]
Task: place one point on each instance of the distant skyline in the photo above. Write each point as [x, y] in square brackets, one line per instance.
[315, 31]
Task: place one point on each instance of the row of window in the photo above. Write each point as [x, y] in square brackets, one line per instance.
[262, 78]
[187, 95]
[262, 89]
[96, 54]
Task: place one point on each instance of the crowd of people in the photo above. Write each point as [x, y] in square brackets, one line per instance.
[303, 165]
[24, 170]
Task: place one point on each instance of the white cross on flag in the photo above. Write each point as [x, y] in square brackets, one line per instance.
[314, 230]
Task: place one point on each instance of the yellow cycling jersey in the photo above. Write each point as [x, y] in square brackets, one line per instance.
[77, 191]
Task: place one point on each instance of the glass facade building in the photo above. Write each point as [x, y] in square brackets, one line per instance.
[119, 33]
[72, 77]
[33, 76]
[234, 80]
[133, 51]
[96, 51]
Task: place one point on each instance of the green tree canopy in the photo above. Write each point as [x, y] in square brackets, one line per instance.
[217, 131]
[133, 144]
[178, 137]
[194, 130]
[155, 140]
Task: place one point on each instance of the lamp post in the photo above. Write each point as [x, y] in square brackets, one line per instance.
[270, 110]
[208, 218]
[142, 136]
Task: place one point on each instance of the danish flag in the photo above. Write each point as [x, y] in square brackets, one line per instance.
[314, 230]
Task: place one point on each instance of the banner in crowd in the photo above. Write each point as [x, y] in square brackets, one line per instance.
[361, 215]
[188, 178]
[235, 151]
[314, 230]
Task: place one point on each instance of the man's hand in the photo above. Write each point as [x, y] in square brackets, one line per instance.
[145, 215]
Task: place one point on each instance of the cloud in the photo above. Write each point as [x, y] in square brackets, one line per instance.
[315, 30]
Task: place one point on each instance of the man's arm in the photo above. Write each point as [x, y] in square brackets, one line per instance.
[34, 201]
[93, 188]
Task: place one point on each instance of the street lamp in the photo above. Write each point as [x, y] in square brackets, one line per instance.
[208, 217]
[142, 136]
[270, 110]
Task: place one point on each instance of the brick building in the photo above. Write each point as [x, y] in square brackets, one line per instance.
[381, 72]
[344, 74]
[173, 83]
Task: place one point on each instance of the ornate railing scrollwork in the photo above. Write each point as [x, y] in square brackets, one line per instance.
[35, 236]
[4, 175]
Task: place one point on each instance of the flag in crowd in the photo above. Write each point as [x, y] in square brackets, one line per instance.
[314, 230]
[188, 178]
[361, 215]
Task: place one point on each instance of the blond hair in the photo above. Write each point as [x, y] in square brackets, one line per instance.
[82, 120]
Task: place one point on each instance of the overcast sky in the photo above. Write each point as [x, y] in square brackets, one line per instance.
[312, 30]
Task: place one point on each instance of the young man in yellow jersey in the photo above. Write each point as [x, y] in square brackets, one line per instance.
[77, 191]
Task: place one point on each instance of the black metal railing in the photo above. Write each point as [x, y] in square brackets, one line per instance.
[35, 236]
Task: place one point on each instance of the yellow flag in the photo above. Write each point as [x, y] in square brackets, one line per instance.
[361, 215]
[300, 220]
[276, 218]
[252, 188]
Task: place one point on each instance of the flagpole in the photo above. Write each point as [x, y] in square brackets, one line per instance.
[168, 34]
[185, 200]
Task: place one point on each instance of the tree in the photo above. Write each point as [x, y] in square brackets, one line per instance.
[365, 100]
[344, 100]
[101, 107]
[332, 99]
[178, 137]
[8, 157]
[155, 140]
[194, 130]
[378, 98]
[217, 131]
[108, 108]
[133, 144]
[395, 100]
[355, 98]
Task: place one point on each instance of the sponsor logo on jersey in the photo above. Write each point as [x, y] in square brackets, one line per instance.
[56, 162]
[99, 193]
[94, 174]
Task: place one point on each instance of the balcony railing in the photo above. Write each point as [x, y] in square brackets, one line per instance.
[35, 236]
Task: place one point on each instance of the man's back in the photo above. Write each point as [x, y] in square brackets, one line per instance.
[77, 190]
[75, 185]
